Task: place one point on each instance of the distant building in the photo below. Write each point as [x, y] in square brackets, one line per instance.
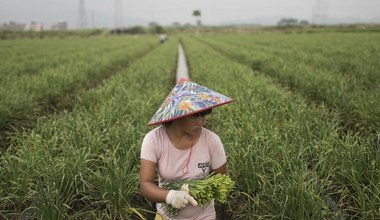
[12, 26]
[34, 26]
[60, 25]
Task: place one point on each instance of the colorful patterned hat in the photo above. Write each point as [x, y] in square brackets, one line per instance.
[187, 98]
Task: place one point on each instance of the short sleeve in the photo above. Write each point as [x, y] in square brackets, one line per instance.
[218, 155]
[148, 151]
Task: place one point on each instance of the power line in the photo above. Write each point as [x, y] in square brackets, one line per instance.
[82, 17]
[118, 14]
[320, 12]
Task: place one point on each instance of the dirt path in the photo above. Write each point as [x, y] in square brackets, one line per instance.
[182, 71]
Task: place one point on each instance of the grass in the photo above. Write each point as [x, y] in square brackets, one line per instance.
[84, 163]
[290, 157]
[286, 155]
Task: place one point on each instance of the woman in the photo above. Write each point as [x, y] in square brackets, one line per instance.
[181, 148]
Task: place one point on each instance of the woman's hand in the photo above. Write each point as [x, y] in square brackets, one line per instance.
[179, 199]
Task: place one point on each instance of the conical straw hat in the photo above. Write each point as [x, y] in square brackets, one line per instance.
[187, 98]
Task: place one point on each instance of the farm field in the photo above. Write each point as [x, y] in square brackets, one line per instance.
[339, 70]
[36, 73]
[302, 137]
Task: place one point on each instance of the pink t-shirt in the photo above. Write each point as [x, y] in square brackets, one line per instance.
[207, 154]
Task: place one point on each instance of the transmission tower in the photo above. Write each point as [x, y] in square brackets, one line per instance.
[82, 17]
[320, 12]
[118, 14]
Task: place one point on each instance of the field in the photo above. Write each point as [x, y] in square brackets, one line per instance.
[302, 137]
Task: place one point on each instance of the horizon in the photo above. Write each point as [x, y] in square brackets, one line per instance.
[98, 14]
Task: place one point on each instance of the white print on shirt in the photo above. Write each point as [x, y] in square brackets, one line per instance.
[204, 166]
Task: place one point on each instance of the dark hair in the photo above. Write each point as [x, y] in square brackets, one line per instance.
[167, 123]
[198, 114]
[202, 113]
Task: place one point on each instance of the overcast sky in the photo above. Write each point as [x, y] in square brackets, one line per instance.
[100, 13]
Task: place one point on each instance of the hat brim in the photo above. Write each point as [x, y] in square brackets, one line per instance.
[188, 114]
[187, 98]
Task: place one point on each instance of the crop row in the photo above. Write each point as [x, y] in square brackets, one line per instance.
[22, 95]
[83, 164]
[22, 57]
[339, 70]
[290, 159]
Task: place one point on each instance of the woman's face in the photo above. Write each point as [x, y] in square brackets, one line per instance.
[192, 123]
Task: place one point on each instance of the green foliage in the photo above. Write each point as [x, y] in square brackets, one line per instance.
[301, 137]
[137, 30]
[84, 163]
[196, 13]
[52, 68]
[325, 68]
[287, 156]
[51, 34]
[215, 186]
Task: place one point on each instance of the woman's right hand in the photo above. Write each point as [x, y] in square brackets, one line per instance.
[179, 199]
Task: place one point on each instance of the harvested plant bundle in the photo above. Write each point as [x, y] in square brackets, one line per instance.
[215, 186]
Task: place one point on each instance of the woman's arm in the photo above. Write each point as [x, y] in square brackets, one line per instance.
[221, 170]
[147, 186]
[178, 199]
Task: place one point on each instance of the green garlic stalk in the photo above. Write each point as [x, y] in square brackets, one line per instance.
[214, 186]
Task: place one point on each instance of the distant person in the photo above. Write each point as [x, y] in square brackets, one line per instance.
[181, 149]
[163, 38]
